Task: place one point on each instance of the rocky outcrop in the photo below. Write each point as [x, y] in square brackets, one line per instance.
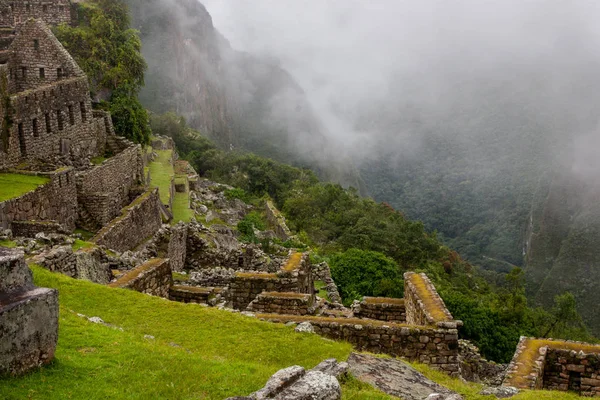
[295, 383]
[395, 378]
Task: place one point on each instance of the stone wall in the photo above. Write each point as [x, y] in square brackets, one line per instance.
[89, 264]
[50, 113]
[569, 370]
[138, 222]
[53, 12]
[28, 317]
[193, 294]
[381, 308]
[170, 242]
[246, 286]
[277, 221]
[437, 348]
[31, 228]
[283, 303]
[153, 277]
[322, 272]
[104, 190]
[556, 365]
[423, 304]
[54, 201]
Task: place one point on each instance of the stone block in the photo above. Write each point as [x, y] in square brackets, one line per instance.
[28, 329]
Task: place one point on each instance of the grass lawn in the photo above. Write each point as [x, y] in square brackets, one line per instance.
[161, 172]
[181, 208]
[196, 352]
[15, 185]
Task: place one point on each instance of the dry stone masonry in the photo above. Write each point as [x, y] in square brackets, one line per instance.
[555, 365]
[28, 317]
[153, 277]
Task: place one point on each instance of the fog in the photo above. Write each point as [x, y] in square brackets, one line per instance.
[380, 73]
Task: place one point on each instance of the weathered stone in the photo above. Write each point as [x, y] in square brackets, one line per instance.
[501, 392]
[305, 327]
[332, 367]
[279, 381]
[393, 377]
[315, 385]
[28, 317]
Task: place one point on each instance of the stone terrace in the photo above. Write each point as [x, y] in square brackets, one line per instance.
[555, 365]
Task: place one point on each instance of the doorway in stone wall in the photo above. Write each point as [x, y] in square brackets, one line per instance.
[574, 381]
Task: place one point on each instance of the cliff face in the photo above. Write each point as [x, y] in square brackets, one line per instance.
[185, 67]
[563, 252]
[239, 100]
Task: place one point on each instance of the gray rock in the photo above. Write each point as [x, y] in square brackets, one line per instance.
[501, 392]
[305, 327]
[438, 396]
[315, 385]
[278, 382]
[394, 377]
[332, 367]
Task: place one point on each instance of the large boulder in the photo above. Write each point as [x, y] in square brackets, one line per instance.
[396, 378]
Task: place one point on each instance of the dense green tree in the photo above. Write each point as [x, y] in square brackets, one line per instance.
[360, 273]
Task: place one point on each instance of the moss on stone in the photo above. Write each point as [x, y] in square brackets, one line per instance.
[526, 359]
[383, 300]
[293, 262]
[429, 299]
[134, 273]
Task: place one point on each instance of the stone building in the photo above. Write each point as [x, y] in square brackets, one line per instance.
[46, 113]
[16, 12]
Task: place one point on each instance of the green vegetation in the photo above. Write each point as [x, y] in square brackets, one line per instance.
[360, 273]
[178, 277]
[181, 208]
[196, 352]
[109, 52]
[11, 244]
[80, 244]
[15, 185]
[370, 245]
[86, 235]
[252, 220]
[161, 173]
[320, 289]
[98, 160]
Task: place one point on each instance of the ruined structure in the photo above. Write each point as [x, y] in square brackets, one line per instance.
[555, 365]
[28, 317]
[13, 13]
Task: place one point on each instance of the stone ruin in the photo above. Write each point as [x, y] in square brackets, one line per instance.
[28, 317]
[555, 365]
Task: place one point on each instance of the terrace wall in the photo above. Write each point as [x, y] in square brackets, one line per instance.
[138, 222]
[422, 302]
[382, 309]
[246, 286]
[437, 348]
[104, 190]
[569, 370]
[54, 201]
[283, 303]
[153, 277]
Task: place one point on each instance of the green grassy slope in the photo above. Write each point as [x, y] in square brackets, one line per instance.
[197, 352]
[161, 172]
[15, 185]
